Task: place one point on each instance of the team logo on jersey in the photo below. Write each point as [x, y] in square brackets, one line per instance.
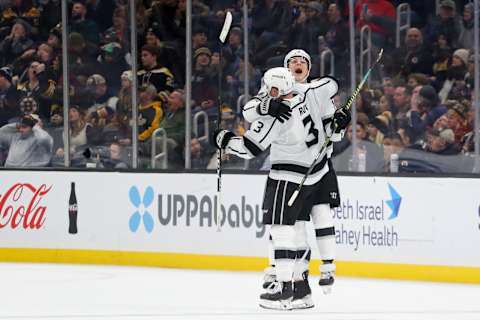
[142, 205]
[333, 195]
[394, 203]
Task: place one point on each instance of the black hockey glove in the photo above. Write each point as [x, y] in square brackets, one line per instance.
[341, 119]
[221, 138]
[274, 108]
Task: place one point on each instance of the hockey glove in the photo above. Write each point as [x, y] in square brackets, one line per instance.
[221, 138]
[274, 108]
[341, 119]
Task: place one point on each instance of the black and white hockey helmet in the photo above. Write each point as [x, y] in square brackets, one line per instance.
[279, 78]
[297, 53]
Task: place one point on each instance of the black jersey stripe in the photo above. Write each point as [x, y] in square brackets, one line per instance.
[252, 147]
[299, 169]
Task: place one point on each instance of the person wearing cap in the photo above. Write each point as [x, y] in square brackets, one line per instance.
[150, 112]
[200, 38]
[380, 127]
[426, 111]
[454, 86]
[204, 81]
[111, 63]
[9, 97]
[307, 27]
[152, 73]
[465, 40]
[442, 142]
[27, 143]
[81, 24]
[447, 22]
[457, 120]
[104, 104]
[55, 37]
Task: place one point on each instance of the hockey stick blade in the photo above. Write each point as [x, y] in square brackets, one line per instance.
[226, 27]
[327, 140]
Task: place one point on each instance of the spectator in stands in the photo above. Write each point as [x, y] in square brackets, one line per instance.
[417, 79]
[198, 152]
[28, 144]
[384, 104]
[174, 125]
[307, 27]
[379, 15]
[447, 22]
[111, 64]
[414, 57]
[204, 82]
[442, 52]
[9, 97]
[54, 39]
[150, 113]
[118, 32]
[21, 9]
[455, 87]
[101, 97]
[442, 142]
[82, 133]
[124, 104]
[116, 159]
[380, 127]
[457, 120]
[199, 38]
[426, 111]
[152, 73]
[16, 43]
[401, 102]
[337, 33]
[466, 37]
[81, 24]
[38, 87]
[392, 144]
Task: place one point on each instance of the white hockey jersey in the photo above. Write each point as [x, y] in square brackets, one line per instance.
[293, 144]
[318, 96]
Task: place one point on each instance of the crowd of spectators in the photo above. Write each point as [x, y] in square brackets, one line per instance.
[419, 101]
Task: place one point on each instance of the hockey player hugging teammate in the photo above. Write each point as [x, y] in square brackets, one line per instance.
[294, 131]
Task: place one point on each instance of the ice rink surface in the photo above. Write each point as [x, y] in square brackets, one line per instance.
[48, 291]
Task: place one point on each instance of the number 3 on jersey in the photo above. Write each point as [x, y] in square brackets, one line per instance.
[311, 131]
[258, 127]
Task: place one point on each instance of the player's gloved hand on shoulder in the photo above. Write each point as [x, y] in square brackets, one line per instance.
[274, 108]
[221, 138]
[341, 118]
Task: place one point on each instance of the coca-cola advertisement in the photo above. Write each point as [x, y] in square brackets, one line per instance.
[72, 210]
[22, 206]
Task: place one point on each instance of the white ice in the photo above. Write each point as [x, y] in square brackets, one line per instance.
[48, 291]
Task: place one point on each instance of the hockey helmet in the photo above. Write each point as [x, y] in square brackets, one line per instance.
[280, 78]
[297, 53]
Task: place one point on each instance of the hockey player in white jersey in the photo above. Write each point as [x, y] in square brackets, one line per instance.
[294, 144]
[299, 63]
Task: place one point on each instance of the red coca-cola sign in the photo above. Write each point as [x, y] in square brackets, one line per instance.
[20, 206]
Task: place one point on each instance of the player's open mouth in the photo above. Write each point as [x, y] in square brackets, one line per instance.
[298, 71]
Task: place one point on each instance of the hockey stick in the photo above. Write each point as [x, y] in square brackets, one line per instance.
[222, 37]
[348, 105]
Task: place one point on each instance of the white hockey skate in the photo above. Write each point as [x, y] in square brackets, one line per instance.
[278, 296]
[268, 277]
[327, 277]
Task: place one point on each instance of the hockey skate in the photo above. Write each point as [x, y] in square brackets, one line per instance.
[278, 296]
[302, 294]
[269, 277]
[327, 277]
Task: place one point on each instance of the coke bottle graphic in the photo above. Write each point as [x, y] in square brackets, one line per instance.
[72, 211]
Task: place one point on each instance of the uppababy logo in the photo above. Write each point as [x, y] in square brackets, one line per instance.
[141, 205]
[394, 203]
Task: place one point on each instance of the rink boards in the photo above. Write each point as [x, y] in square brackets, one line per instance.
[388, 227]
